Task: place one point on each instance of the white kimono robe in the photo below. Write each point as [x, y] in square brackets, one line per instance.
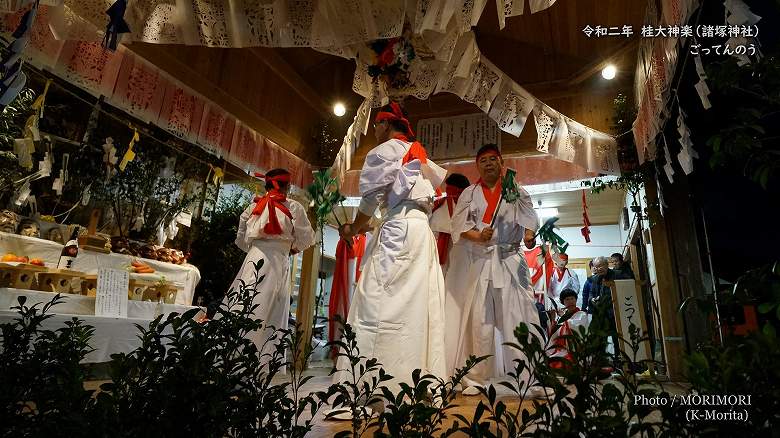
[441, 222]
[569, 281]
[274, 291]
[489, 289]
[397, 311]
[557, 344]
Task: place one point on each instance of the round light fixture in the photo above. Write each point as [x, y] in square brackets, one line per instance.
[609, 72]
[339, 109]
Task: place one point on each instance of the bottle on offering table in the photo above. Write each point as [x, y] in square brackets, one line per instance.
[70, 251]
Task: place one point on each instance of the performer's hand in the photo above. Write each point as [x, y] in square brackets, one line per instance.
[486, 234]
[530, 239]
[346, 232]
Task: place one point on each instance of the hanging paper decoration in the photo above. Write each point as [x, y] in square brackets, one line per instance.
[511, 108]
[687, 153]
[23, 149]
[585, 230]
[701, 87]
[457, 136]
[116, 24]
[44, 166]
[545, 128]
[668, 169]
[13, 79]
[130, 154]
[21, 194]
[62, 179]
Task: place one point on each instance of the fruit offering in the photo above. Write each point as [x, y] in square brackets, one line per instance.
[141, 268]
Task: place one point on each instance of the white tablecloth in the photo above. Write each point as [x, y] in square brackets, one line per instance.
[111, 335]
[83, 305]
[185, 277]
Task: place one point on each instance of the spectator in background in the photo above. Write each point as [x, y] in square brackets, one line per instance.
[601, 301]
[586, 288]
[620, 267]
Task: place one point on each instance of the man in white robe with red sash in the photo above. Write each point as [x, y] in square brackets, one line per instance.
[494, 283]
[441, 220]
[271, 228]
[397, 311]
[562, 278]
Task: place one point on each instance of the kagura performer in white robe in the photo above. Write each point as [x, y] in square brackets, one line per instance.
[272, 228]
[397, 311]
[441, 221]
[492, 284]
[562, 278]
[571, 318]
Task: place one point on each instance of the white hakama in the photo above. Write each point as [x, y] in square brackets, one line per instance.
[488, 289]
[397, 311]
[273, 299]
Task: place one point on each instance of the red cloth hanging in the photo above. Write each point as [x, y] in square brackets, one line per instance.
[338, 304]
[443, 239]
[585, 219]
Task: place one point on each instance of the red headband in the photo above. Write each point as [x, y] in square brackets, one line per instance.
[397, 114]
[276, 179]
[284, 177]
[489, 152]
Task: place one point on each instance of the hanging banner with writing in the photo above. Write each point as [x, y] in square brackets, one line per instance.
[458, 136]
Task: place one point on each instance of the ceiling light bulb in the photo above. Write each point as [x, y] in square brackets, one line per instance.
[339, 109]
[609, 72]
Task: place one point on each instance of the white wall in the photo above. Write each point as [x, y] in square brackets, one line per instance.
[604, 240]
[331, 239]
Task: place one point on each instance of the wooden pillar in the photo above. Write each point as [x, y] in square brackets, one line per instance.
[672, 331]
[304, 315]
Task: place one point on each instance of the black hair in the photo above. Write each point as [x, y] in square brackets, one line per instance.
[618, 256]
[458, 180]
[488, 147]
[397, 125]
[276, 172]
[566, 293]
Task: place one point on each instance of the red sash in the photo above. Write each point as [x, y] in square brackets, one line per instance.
[492, 197]
[272, 200]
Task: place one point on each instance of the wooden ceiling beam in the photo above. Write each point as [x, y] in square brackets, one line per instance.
[284, 71]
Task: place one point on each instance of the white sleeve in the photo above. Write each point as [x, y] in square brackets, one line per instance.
[241, 235]
[303, 234]
[463, 219]
[575, 282]
[380, 170]
[525, 214]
